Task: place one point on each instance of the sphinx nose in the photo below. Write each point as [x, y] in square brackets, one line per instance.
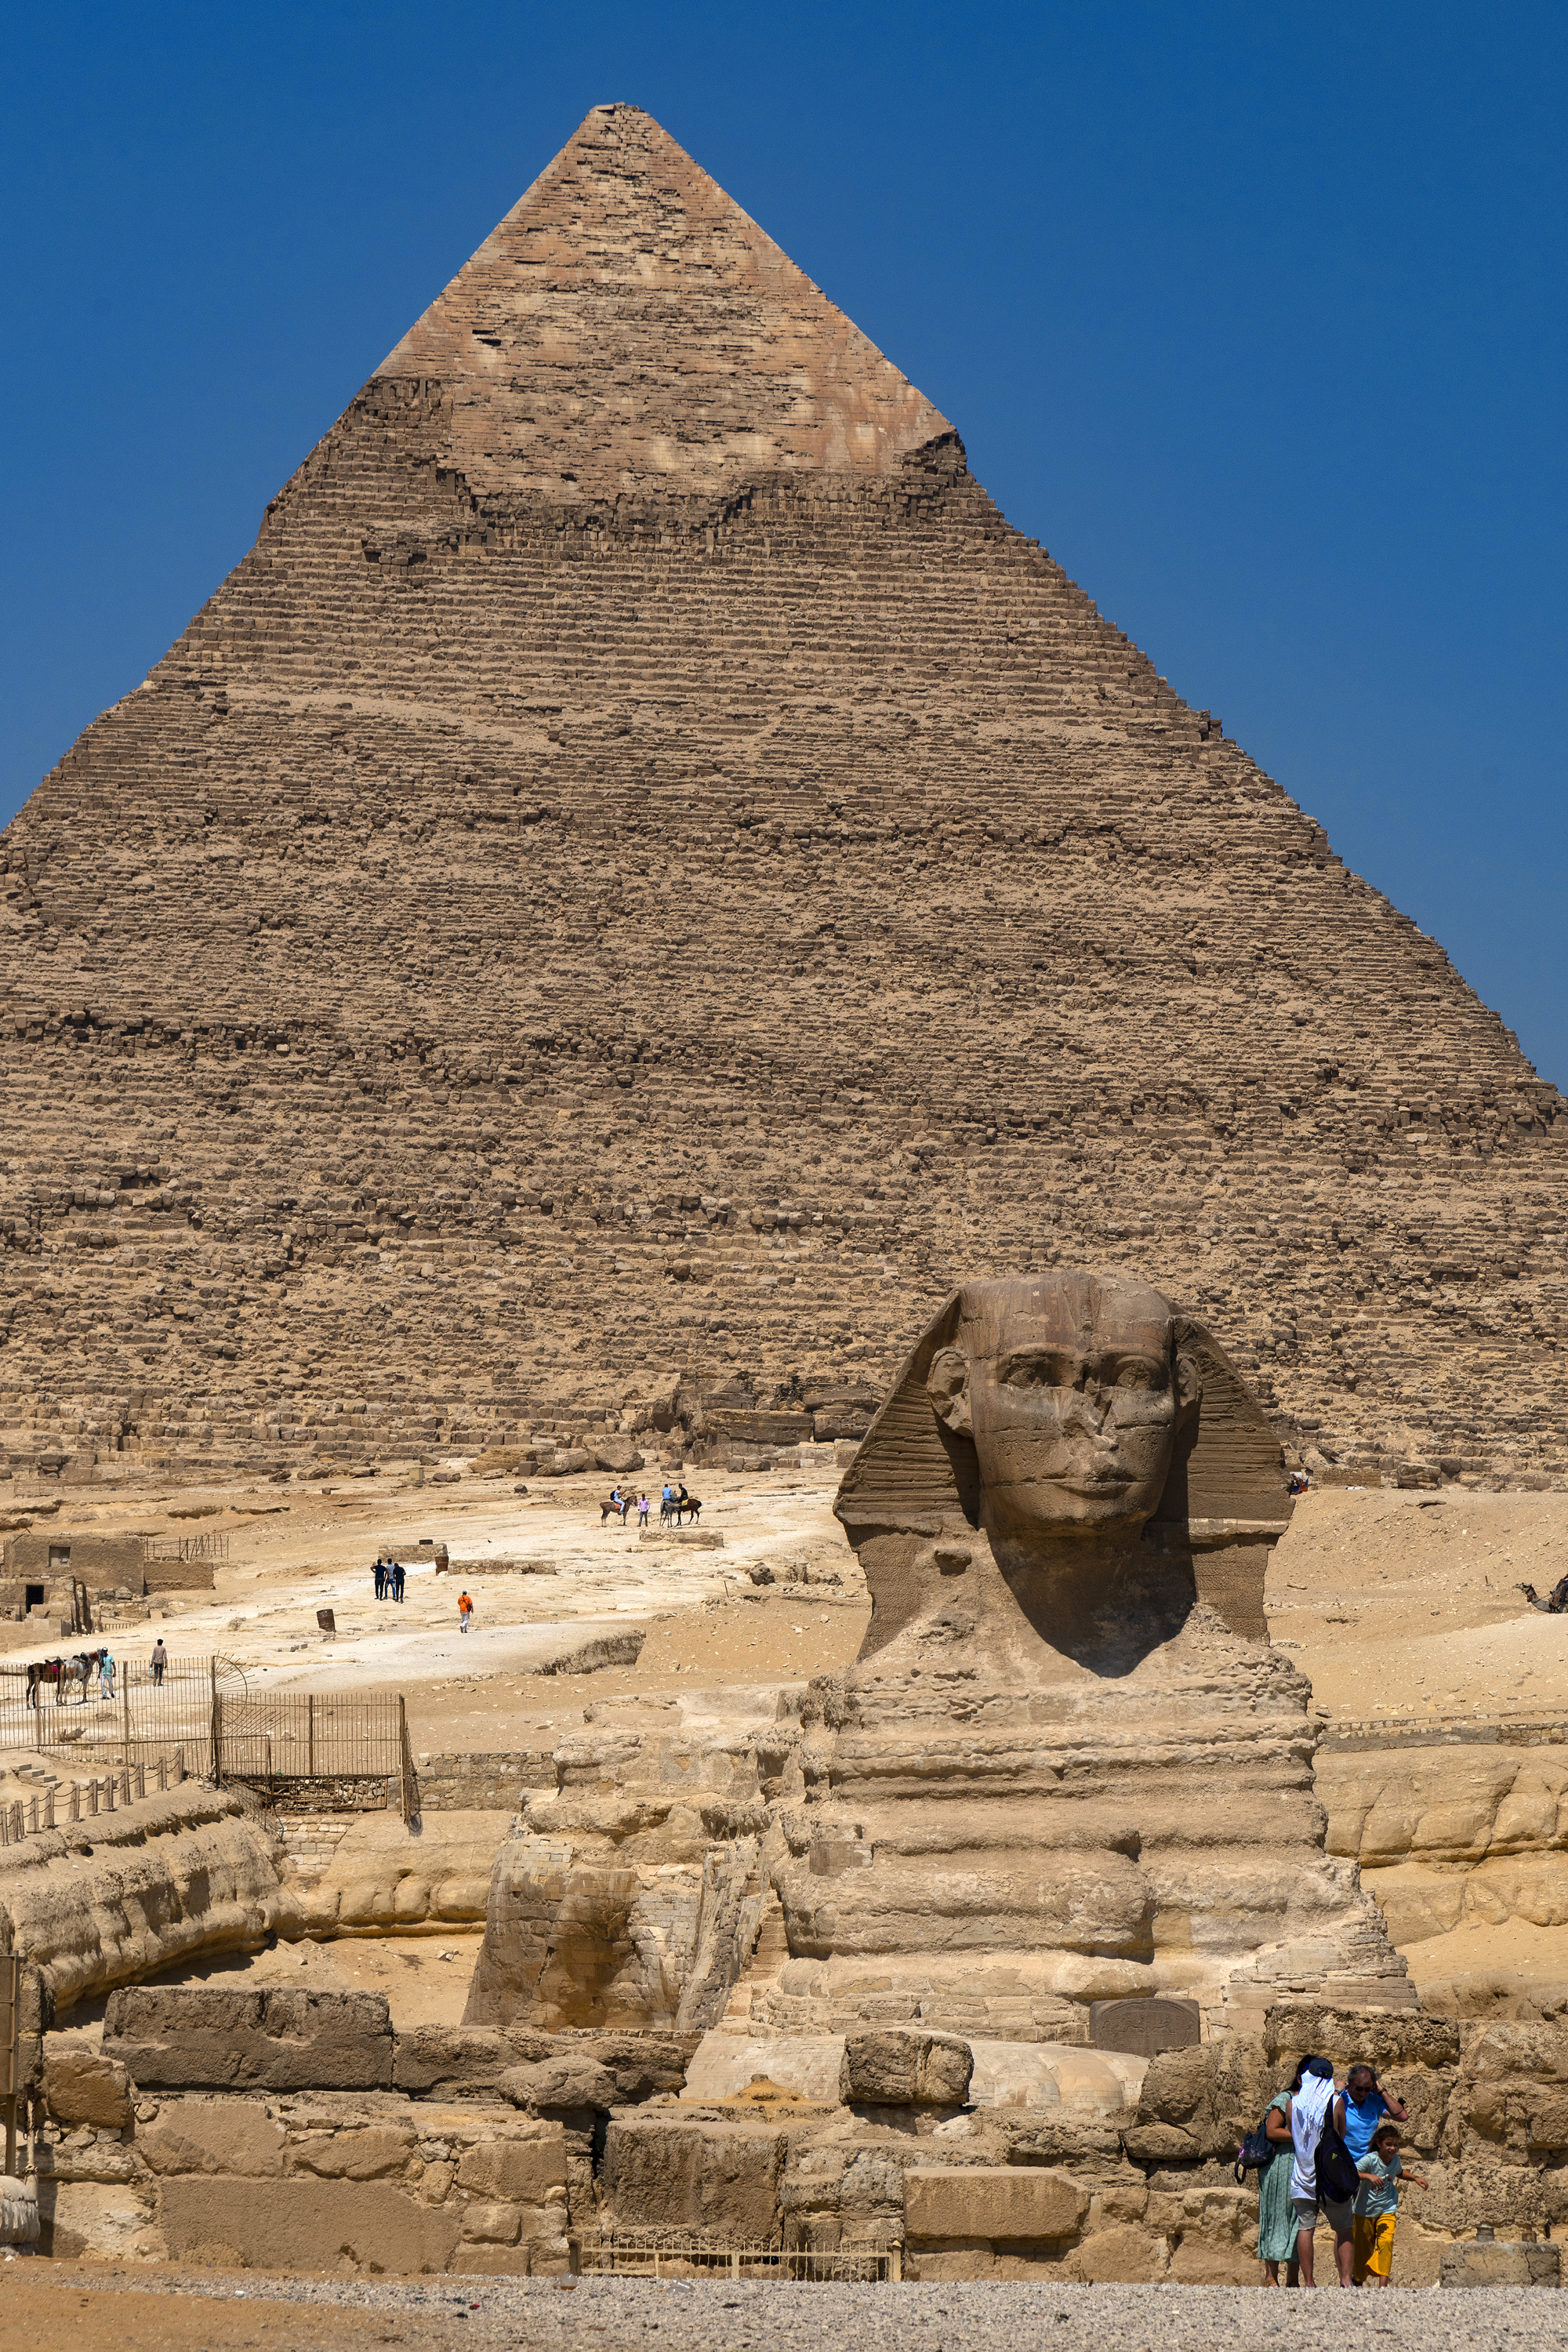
[1086, 1411]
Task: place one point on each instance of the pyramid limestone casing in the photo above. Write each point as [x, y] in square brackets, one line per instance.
[641, 871]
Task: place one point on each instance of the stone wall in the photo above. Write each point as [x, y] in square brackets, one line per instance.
[197, 2134]
[481, 1780]
[382, 1095]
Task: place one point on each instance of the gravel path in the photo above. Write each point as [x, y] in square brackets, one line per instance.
[295, 2315]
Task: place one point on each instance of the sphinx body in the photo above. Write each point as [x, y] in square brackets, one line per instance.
[1067, 1765]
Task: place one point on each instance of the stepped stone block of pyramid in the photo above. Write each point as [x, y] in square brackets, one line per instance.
[641, 880]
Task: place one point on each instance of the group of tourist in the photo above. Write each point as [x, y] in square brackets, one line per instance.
[1334, 2153]
[675, 1503]
[389, 1579]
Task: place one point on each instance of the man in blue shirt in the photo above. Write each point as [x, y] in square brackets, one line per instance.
[1365, 2107]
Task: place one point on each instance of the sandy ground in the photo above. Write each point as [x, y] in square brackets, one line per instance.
[1393, 1602]
[1406, 1605]
[155, 2309]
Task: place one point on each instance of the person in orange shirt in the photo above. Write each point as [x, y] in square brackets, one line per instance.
[465, 1610]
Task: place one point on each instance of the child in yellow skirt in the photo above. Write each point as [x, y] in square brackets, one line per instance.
[1377, 2207]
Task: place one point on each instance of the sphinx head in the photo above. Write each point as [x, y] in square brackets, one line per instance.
[1071, 1387]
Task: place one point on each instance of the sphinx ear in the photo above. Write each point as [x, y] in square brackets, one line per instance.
[1189, 1379]
[947, 1385]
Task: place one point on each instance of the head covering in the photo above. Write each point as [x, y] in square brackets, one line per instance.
[1309, 2105]
[912, 1471]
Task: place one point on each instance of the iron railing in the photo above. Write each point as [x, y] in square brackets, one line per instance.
[200, 1711]
[675, 2253]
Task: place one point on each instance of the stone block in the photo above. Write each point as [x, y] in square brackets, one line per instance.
[521, 2172]
[899, 2070]
[81, 2086]
[1200, 2261]
[491, 2225]
[305, 2225]
[723, 2178]
[222, 2136]
[449, 2058]
[571, 2079]
[993, 2202]
[1379, 2038]
[1476, 2263]
[1143, 2028]
[77, 2218]
[202, 2037]
[371, 2153]
[1124, 2255]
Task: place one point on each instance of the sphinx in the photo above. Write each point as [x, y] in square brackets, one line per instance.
[1067, 1768]
[1070, 1466]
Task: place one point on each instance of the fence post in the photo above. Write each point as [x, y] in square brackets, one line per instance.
[404, 1759]
[11, 1978]
[125, 1716]
[217, 1723]
[310, 1735]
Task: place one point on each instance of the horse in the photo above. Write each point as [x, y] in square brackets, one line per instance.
[619, 1504]
[44, 1670]
[80, 1669]
[690, 1504]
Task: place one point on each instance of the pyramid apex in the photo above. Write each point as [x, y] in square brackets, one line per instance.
[628, 327]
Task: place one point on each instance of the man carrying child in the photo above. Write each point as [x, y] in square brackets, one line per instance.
[1380, 2173]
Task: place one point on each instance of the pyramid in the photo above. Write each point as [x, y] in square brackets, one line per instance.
[641, 880]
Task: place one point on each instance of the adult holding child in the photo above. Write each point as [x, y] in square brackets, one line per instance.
[1322, 2177]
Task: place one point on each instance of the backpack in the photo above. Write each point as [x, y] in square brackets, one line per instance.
[1257, 2152]
[1335, 2174]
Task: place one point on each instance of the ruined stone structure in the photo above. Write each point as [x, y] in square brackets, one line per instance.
[641, 872]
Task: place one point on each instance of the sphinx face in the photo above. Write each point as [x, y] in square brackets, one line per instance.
[1072, 1392]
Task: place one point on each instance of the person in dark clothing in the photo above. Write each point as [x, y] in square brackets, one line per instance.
[397, 1574]
[381, 1579]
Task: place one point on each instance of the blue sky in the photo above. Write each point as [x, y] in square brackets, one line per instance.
[1255, 318]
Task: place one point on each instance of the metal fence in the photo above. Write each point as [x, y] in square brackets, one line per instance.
[210, 1546]
[673, 2254]
[200, 1713]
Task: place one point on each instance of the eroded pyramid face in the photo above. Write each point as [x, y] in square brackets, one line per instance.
[641, 882]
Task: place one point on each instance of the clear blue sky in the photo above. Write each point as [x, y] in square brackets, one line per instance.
[1255, 317]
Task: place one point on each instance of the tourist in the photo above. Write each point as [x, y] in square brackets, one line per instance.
[160, 1660]
[465, 1610]
[397, 1578]
[1275, 2214]
[1367, 2104]
[105, 1675]
[642, 1513]
[1312, 2106]
[1377, 2206]
[666, 1503]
